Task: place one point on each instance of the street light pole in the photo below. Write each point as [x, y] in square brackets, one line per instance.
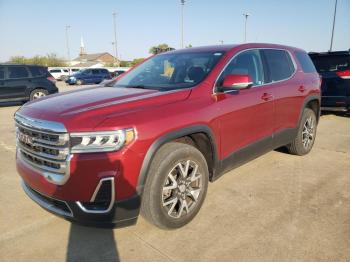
[335, 13]
[115, 36]
[67, 42]
[182, 23]
[245, 26]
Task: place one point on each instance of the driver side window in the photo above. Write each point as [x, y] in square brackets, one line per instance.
[246, 63]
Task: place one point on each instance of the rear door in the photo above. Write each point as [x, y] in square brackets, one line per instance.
[15, 85]
[281, 70]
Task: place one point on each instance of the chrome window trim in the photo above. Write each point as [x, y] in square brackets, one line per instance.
[44, 204]
[257, 48]
[81, 206]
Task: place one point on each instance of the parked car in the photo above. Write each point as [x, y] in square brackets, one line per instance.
[60, 74]
[25, 82]
[89, 76]
[334, 67]
[169, 126]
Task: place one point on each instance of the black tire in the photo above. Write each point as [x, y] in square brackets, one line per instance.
[297, 147]
[37, 93]
[167, 159]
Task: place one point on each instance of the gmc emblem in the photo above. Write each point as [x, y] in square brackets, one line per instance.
[24, 138]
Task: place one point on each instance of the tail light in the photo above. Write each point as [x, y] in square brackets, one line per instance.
[52, 79]
[344, 74]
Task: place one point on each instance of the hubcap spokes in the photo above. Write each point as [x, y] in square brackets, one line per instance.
[38, 95]
[308, 132]
[181, 189]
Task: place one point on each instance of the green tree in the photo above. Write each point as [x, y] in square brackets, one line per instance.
[136, 61]
[159, 48]
[189, 46]
[49, 60]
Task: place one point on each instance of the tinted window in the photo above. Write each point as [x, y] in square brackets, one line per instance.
[96, 71]
[55, 71]
[2, 73]
[17, 72]
[37, 71]
[87, 71]
[279, 63]
[104, 71]
[331, 63]
[305, 61]
[246, 63]
[65, 70]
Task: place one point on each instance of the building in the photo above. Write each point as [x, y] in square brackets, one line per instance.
[92, 60]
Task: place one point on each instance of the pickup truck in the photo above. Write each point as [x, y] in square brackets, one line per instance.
[153, 141]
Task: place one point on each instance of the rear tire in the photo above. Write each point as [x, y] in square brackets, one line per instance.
[305, 139]
[176, 186]
[38, 93]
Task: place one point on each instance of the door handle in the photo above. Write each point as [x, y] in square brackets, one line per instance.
[301, 89]
[267, 97]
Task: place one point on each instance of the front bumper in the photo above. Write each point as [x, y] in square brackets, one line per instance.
[122, 213]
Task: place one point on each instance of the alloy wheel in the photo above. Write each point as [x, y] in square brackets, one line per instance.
[308, 132]
[182, 189]
[38, 94]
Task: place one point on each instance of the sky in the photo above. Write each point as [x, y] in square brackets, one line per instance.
[37, 27]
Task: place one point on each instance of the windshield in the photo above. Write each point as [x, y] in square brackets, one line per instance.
[171, 71]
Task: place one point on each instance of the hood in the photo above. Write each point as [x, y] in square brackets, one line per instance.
[83, 110]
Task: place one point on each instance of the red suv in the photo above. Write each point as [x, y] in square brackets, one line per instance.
[153, 141]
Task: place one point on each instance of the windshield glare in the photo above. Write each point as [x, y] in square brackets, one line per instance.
[171, 71]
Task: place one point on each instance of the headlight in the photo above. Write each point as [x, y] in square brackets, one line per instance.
[100, 141]
[72, 78]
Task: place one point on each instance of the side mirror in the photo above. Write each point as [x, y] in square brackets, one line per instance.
[236, 82]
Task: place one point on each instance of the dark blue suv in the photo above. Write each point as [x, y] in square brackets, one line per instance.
[334, 67]
[89, 76]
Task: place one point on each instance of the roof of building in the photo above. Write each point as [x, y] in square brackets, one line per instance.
[90, 57]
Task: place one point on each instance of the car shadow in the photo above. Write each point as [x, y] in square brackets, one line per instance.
[91, 244]
[87, 243]
[9, 104]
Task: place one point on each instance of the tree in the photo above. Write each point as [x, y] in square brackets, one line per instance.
[189, 46]
[49, 60]
[160, 48]
[136, 61]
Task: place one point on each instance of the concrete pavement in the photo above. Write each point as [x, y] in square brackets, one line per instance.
[276, 208]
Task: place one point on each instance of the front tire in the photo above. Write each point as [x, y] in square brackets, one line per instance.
[305, 139]
[176, 186]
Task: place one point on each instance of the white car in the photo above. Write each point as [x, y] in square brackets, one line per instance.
[59, 73]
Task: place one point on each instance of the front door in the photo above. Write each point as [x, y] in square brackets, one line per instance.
[246, 122]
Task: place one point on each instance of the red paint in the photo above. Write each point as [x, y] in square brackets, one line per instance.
[250, 115]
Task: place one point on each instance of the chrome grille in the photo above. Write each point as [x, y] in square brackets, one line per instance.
[44, 145]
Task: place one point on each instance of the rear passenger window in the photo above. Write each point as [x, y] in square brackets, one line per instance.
[17, 72]
[2, 73]
[95, 71]
[279, 63]
[305, 62]
[37, 71]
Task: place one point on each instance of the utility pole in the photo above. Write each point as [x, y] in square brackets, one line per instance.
[113, 47]
[67, 42]
[335, 13]
[182, 23]
[245, 26]
[115, 37]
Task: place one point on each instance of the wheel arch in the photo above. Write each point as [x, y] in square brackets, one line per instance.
[192, 133]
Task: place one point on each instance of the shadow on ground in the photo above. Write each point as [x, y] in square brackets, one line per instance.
[91, 244]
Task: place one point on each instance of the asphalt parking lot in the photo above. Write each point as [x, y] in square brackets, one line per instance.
[278, 207]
